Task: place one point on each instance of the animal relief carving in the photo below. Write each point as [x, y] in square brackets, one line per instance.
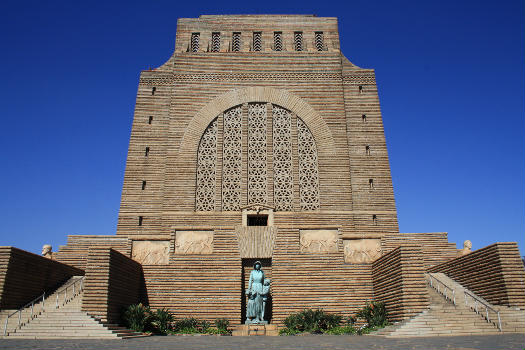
[361, 251]
[151, 252]
[194, 242]
[318, 241]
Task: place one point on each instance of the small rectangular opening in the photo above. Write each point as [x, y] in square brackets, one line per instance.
[257, 220]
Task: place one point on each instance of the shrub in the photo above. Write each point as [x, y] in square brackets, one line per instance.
[161, 321]
[222, 325]
[137, 317]
[374, 313]
[187, 325]
[341, 330]
[205, 327]
[288, 331]
[314, 321]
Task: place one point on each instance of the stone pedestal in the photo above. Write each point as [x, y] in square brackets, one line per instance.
[256, 329]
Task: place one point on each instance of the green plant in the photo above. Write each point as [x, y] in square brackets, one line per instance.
[288, 331]
[341, 330]
[222, 325]
[137, 317]
[314, 321]
[205, 327]
[161, 321]
[187, 325]
[374, 313]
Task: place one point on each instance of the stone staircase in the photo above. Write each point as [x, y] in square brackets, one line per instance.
[66, 321]
[445, 318]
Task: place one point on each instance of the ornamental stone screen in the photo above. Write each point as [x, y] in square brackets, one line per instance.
[279, 128]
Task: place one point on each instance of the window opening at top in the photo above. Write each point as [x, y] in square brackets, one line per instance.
[236, 42]
[215, 42]
[278, 41]
[257, 220]
[257, 41]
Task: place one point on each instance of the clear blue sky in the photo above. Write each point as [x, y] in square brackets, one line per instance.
[451, 85]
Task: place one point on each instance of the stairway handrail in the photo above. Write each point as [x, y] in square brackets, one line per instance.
[485, 304]
[43, 298]
[452, 291]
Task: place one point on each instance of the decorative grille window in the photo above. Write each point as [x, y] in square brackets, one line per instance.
[298, 41]
[308, 169]
[256, 162]
[206, 169]
[319, 41]
[282, 159]
[194, 42]
[232, 160]
[277, 41]
[236, 42]
[257, 41]
[215, 42]
[257, 155]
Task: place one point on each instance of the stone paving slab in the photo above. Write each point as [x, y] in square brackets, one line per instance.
[483, 342]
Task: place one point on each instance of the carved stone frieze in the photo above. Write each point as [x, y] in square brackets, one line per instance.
[318, 241]
[361, 251]
[194, 242]
[151, 252]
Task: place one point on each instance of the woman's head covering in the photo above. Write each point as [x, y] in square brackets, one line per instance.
[257, 262]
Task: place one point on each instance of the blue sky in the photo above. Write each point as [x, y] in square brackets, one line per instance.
[451, 85]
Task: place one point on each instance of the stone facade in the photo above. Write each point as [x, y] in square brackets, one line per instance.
[258, 140]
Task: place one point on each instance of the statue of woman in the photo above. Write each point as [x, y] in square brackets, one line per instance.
[254, 293]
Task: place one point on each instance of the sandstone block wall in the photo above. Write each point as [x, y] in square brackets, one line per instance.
[495, 273]
[399, 282]
[24, 276]
[112, 282]
[76, 251]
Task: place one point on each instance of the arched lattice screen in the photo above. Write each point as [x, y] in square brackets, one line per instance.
[260, 147]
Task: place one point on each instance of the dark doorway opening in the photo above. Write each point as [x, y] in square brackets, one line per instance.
[257, 220]
[247, 267]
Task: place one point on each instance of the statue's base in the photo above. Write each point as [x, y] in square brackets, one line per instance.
[255, 322]
[256, 329]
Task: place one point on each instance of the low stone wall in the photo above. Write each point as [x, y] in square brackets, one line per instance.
[24, 276]
[495, 273]
[399, 281]
[112, 282]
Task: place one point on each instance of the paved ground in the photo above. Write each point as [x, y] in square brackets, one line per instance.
[506, 342]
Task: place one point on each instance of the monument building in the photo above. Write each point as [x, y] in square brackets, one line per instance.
[258, 140]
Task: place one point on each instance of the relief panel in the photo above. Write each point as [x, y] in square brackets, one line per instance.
[151, 252]
[361, 251]
[194, 242]
[318, 241]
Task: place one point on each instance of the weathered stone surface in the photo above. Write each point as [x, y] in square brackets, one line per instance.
[194, 242]
[151, 252]
[361, 251]
[319, 241]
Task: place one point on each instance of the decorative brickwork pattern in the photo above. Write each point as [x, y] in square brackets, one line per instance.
[195, 42]
[298, 41]
[257, 154]
[215, 42]
[236, 42]
[232, 160]
[282, 159]
[319, 41]
[308, 170]
[257, 41]
[206, 169]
